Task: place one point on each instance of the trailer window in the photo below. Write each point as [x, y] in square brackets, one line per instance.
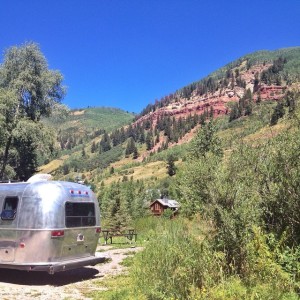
[9, 208]
[80, 214]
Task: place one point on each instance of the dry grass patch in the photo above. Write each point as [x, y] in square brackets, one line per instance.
[230, 133]
[78, 112]
[53, 165]
[122, 162]
[154, 169]
[266, 133]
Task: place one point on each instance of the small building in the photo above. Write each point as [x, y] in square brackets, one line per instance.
[158, 206]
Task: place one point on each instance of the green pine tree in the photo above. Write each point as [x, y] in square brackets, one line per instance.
[171, 168]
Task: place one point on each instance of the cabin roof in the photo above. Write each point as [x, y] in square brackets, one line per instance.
[167, 202]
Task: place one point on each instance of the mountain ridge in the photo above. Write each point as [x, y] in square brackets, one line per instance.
[240, 76]
[232, 91]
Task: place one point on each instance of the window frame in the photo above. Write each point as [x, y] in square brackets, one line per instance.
[13, 210]
[90, 220]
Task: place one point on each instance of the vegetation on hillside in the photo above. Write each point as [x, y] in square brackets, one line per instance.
[148, 138]
[285, 67]
[81, 126]
[130, 187]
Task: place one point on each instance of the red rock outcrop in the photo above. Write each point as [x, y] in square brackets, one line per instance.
[216, 103]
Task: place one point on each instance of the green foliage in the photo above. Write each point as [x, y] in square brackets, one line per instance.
[174, 263]
[25, 70]
[278, 113]
[31, 141]
[149, 141]
[105, 159]
[135, 153]
[179, 263]
[252, 187]
[28, 91]
[168, 214]
[243, 108]
[101, 161]
[105, 143]
[279, 175]
[255, 189]
[235, 112]
[292, 100]
[91, 119]
[86, 125]
[116, 210]
[289, 259]
[192, 185]
[114, 288]
[104, 117]
[290, 54]
[271, 75]
[263, 267]
[234, 288]
[171, 168]
[206, 141]
[176, 151]
[209, 187]
[121, 202]
[131, 147]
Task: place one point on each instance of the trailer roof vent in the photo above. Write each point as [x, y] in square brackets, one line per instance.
[39, 177]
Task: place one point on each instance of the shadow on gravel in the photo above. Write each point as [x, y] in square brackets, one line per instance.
[43, 278]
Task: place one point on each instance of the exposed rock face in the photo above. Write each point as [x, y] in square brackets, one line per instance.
[272, 92]
[217, 103]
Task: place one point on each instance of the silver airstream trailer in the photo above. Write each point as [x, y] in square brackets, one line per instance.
[48, 225]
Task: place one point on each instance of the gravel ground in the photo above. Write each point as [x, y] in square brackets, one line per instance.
[64, 285]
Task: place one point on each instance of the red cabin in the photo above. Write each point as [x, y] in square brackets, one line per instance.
[158, 206]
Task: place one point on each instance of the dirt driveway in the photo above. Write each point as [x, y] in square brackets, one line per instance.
[65, 285]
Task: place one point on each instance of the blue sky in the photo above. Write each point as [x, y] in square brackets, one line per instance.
[127, 53]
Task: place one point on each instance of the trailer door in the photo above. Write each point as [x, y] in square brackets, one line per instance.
[8, 231]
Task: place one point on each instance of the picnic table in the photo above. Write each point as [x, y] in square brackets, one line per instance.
[109, 234]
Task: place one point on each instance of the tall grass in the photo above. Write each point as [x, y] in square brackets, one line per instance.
[175, 263]
[180, 262]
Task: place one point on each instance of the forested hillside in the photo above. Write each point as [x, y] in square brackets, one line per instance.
[231, 93]
[75, 127]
